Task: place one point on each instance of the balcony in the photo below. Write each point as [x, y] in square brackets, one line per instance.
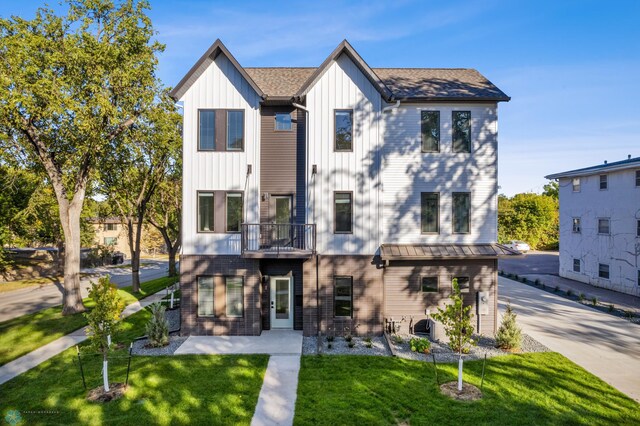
[278, 241]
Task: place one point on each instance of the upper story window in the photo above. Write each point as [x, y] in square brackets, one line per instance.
[429, 212]
[343, 130]
[234, 211]
[461, 131]
[461, 212]
[604, 183]
[205, 211]
[343, 207]
[576, 225]
[206, 130]
[283, 121]
[575, 184]
[638, 178]
[604, 226]
[110, 226]
[430, 130]
[235, 130]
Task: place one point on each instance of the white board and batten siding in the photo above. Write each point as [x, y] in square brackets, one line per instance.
[407, 172]
[343, 86]
[220, 86]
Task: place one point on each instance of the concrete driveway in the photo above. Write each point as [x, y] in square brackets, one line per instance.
[28, 300]
[604, 345]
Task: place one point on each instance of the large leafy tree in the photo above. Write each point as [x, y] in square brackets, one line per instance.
[529, 217]
[145, 156]
[69, 86]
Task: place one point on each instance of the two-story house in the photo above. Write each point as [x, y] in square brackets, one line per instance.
[600, 225]
[334, 197]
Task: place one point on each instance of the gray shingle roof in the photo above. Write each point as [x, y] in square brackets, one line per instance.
[404, 83]
[629, 163]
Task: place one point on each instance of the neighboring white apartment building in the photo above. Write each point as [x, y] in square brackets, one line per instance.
[600, 225]
[337, 196]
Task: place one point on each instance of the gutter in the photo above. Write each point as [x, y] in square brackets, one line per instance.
[391, 107]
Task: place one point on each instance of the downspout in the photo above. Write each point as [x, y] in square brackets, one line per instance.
[306, 110]
[391, 107]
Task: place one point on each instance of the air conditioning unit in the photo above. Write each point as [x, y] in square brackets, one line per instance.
[436, 331]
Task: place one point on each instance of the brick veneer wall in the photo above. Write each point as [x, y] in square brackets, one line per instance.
[193, 266]
[367, 295]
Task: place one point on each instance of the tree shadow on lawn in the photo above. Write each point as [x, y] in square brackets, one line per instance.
[518, 389]
[162, 390]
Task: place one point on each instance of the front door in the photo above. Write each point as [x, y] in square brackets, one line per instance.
[281, 302]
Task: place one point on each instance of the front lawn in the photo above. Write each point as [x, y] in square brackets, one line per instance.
[190, 389]
[23, 334]
[542, 388]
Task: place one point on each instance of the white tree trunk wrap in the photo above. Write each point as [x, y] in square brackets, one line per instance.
[105, 375]
[460, 374]
[171, 299]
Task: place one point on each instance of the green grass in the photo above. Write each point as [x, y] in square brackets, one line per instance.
[33, 282]
[23, 334]
[544, 388]
[162, 390]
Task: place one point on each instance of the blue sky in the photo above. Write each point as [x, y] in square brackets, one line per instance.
[572, 68]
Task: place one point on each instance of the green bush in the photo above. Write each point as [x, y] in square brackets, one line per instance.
[419, 344]
[594, 301]
[158, 327]
[509, 335]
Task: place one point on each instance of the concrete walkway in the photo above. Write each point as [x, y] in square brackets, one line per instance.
[277, 400]
[40, 355]
[602, 344]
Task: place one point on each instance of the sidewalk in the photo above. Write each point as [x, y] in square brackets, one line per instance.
[624, 301]
[40, 355]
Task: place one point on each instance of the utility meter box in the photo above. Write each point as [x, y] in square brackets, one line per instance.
[483, 303]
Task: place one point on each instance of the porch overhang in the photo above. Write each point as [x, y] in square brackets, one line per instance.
[445, 251]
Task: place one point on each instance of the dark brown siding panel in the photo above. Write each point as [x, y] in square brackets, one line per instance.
[367, 295]
[193, 266]
[277, 156]
[403, 295]
[301, 178]
[283, 268]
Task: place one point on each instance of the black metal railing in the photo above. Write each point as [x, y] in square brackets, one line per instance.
[278, 238]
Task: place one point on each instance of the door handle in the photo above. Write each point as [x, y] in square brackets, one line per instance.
[272, 306]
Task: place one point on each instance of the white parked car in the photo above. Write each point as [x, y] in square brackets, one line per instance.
[521, 246]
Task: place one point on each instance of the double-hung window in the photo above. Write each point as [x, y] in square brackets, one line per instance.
[343, 296]
[430, 130]
[235, 296]
[343, 124]
[576, 225]
[343, 212]
[205, 211]
[461, 131]
[604, 182]
[576, 265]
[603, 271]
[604, 226]
[637, 178]
[234, 211]
[205, 296]
[575, 184]
[461, 212]
[206, 130]
[430, 204]
[235, 130]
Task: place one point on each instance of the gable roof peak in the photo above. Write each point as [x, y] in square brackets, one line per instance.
[201, 65]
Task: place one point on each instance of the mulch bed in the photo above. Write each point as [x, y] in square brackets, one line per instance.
[98, 394]
[468, 392]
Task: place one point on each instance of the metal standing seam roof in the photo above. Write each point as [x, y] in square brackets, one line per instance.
[404, 84]
[629, 163]
[444, 251]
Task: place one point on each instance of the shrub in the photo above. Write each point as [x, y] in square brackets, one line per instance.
[509, 335]
[569, 292]
[398, 339]
[516, 277]
[329, 338]
[557, 289]
[419, 344]
[351, 344]
[329, 346]
[594, 301]
[544, 287]
[611, 308]
[581, 297]
[524, 280]
[347, 334]
[456, 320]
[158, 327]
[537, 282]
[629, 315]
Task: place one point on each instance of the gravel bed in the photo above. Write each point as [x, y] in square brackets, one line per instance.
[442, 352]
[340, 347]
[173, 318]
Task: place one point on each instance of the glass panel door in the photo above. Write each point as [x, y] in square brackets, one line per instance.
[283, 216]
[281, 304]
[282, 299]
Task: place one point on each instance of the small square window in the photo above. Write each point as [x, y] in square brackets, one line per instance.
[429, 284]
[603, 182]
[576, 265]
[110, 241]
[464, 283]
[604, 227]
[110, 226]
[575, 183]
[603, 271]
[283, 121]
[576, 225]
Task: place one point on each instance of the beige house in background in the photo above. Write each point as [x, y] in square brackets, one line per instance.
[111, 231]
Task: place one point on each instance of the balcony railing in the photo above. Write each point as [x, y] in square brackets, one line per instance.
[273, 240]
